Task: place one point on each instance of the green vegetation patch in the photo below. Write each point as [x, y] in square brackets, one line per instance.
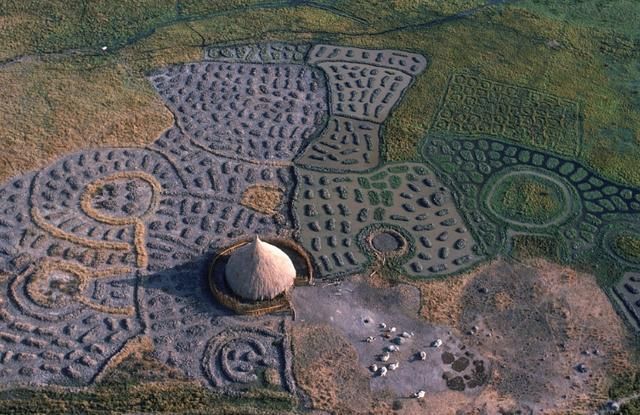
[620, 15]
[508, 187]
[56, 25]
[528, 198]
[625, 386]
[173, 397]
[534, 246]
[627, 245]
[480, 106]
[526, 44]
[621, 240]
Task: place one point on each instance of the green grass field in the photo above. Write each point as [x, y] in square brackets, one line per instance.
[528, 199]
[556, 49]
[629, 245]
[141, 384]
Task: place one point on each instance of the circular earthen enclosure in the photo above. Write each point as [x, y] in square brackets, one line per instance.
[388, 242]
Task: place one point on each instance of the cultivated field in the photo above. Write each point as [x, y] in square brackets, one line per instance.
[456, 182]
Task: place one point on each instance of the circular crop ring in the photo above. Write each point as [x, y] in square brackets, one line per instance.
[55, 290]
[387, 241]
[569, 199]
[93, 189]
[56, 284]
[615, 230]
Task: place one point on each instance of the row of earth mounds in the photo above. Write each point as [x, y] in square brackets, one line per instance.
[364, 86]
[107, 250]
[271, 102]
[135, 208]
[508, 153]
[529, 189]
[622, 241]
[62, 323]
[272, 52]
[110, 242]
[474, 106]
[627, 291]
[119, 239]
[251, 111]
[399, 213]
[511, 190]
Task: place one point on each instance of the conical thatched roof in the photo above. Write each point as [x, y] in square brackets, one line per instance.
[259, 271]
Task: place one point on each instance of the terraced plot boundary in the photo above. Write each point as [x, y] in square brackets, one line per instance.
[593, 213]
[107, 250]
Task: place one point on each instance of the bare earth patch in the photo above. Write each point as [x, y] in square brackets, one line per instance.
[326, 368]
[441, 299]
[344, 329]
[549, 335]
[538, 323]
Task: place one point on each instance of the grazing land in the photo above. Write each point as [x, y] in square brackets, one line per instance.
[455, 182]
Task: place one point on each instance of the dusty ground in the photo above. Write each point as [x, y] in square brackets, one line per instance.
[536, 322]
[327, 370]
[533, 323]
[332, 357]
[441, 299]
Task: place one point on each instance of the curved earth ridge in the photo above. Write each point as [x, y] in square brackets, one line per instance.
[106, 249]
[600, 210]
[470, 164]
[138, 224]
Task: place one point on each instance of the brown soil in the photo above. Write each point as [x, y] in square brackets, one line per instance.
[502, 301]
[441, 298]
[537, 322]
[456, 403]
[326, 368]
[141, 367]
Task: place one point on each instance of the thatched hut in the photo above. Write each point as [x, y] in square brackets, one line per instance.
[259, 271]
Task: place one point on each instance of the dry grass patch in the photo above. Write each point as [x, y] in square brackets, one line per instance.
[536, 321]
[263, 199]
[48, 109]
[539, 321]
[441, 299]
[326, 367]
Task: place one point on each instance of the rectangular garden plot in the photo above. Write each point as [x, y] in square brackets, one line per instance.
[477, 106]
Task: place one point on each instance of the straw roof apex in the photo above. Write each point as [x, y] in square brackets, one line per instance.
[259, 271]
